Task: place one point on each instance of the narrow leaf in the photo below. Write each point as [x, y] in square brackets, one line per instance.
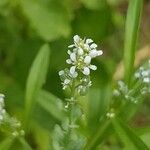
[98, 136]
[131, 34]
[128, 137]
[36, 78]
[25, 145]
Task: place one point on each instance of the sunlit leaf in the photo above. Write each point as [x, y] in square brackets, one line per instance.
[49, 20]
[131, 34]
[37, 77]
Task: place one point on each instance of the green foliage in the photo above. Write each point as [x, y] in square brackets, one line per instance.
[36, 78]
[131, 34]
[48, 24]
[128, 137]
[25, 58]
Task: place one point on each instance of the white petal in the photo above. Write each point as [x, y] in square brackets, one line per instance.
[2, 95]
[88, 41]
[87, 60]
[61, 72]
[93, 67]
[93, 45]
[146, 80]
[145, 73]
[76, 38]
[70, 46]
[80, 51]
[72, 70]
[67, 81]
[68, 61]
[86, 71]
[69, 52]
[73, 56]
[75, 75]
[137, 75]
[86, 46]
[93, 53]
[100, 52]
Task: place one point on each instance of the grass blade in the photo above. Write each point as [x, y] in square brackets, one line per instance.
[131, 34]
[128, 137]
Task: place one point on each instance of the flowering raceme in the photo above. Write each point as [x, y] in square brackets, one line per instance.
[83, 51]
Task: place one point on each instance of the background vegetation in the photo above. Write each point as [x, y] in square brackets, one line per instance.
[26, 25]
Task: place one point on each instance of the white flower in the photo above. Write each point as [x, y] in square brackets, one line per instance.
[2, 110]
[80, 51]
[87, 60]
[73, 56]
[72, 70]
[61, 72]
[68, 61]
[100, 52]
[88, 41]
[67, 81]
[76, 38]
[86, 71]
[93, 67]
[146, 80]
[93, 45]
[94, 53]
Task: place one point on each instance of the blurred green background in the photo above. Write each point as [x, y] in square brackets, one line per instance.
[25, 25]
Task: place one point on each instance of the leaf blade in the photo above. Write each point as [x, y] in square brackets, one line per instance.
[128, 137]
[131, 35]
[36, 78]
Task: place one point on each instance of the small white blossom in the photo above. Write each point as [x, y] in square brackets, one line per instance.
[80, 51]
[87, 60]
[2, 110]
[61, 72]
[143, 75]
[93, 45]
[86, 71]
[88, 41]
[93, 67]
[76, 38]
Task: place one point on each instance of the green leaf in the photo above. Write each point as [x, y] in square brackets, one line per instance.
[6, 144]
[98, 103]
[51, 104]
[131, 34]
[130, 140]
[94, 4]
[25, 145]
[98, 137]
[145, 138]
[50, 20]
[36, 78]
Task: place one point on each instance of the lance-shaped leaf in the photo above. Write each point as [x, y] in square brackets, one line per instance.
[36, 78]
[131, 34]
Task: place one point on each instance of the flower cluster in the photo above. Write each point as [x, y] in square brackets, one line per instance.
[83, 51]
[2, 110]
[143, 74]
[123, 91]
[16, 127]
[5, 120]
